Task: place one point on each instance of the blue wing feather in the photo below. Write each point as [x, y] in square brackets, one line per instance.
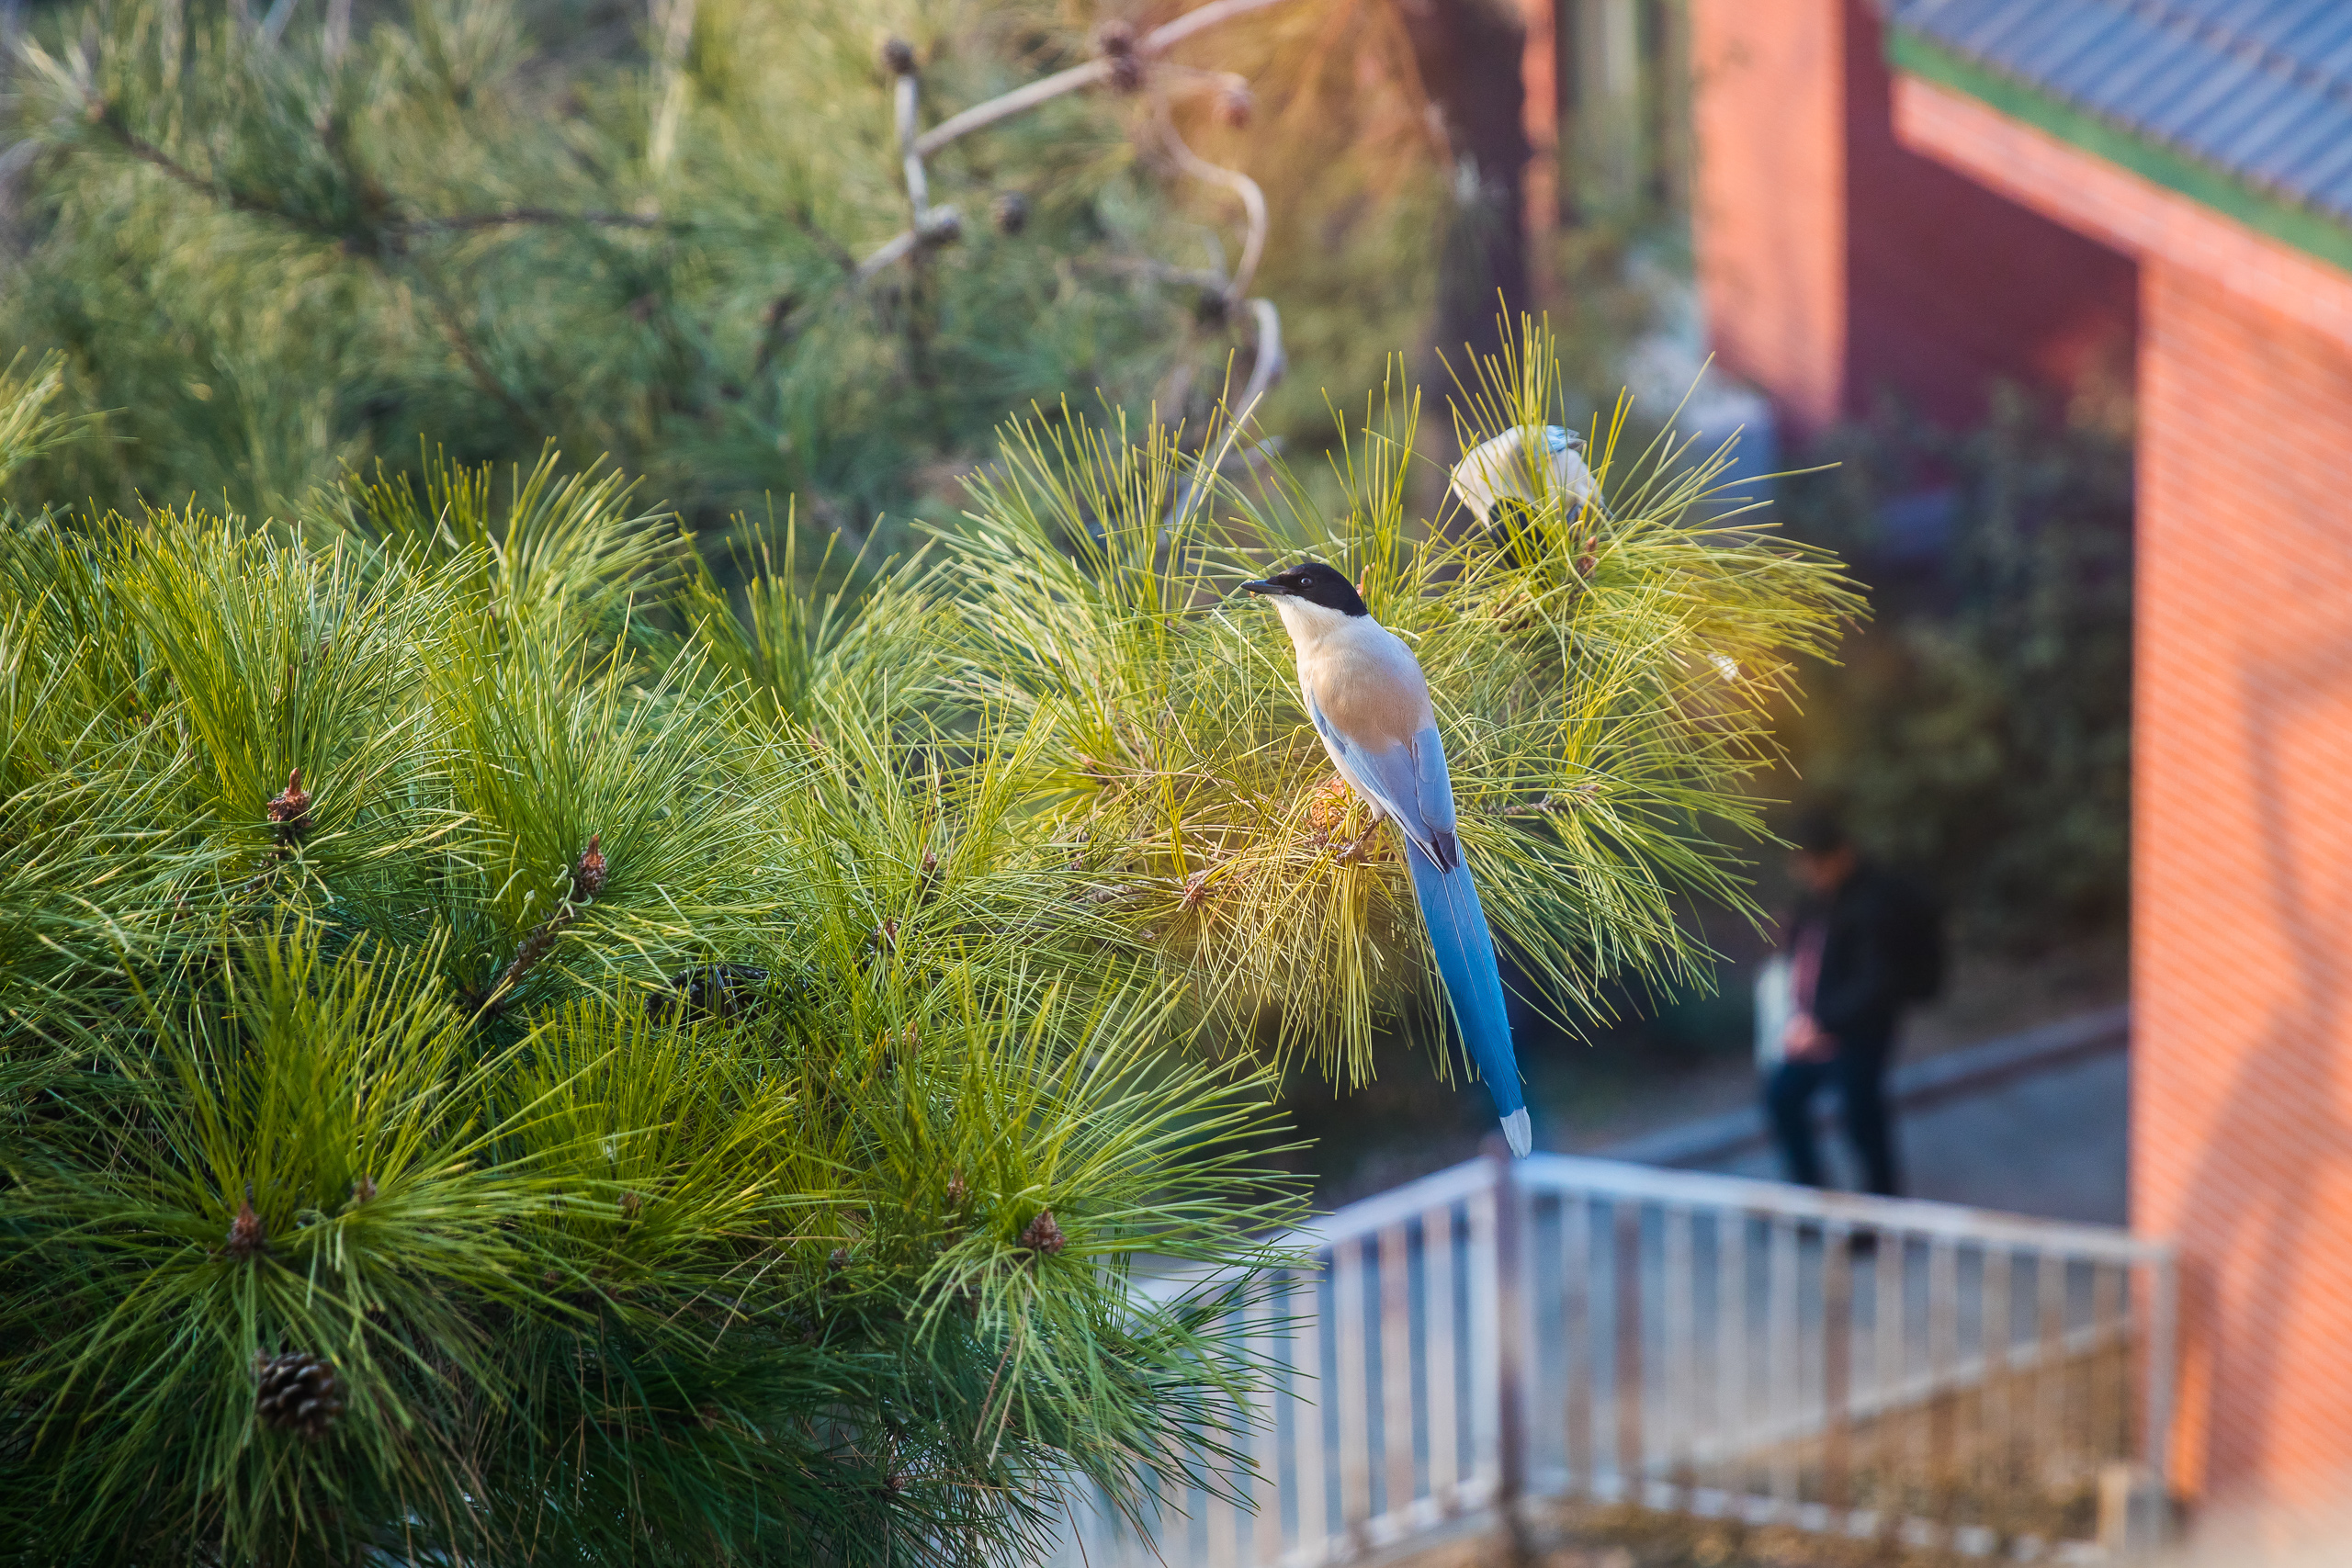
[1411, 786]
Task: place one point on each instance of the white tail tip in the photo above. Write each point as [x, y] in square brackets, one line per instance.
[1517, 1133]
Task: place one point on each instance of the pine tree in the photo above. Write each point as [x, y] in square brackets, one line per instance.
[273, 251]
[517, 1053]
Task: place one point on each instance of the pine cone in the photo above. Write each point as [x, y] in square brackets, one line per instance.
[246, 1238]
[898, 57]
[1327, 804]
[588, 873]
[299, 1392]
[1011, 211]
[1042, 1234]
[291, 809]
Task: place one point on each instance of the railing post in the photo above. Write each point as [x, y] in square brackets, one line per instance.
[1837, 1372]
[1627, 1377]
[1511, 1348]
[2164, 1309]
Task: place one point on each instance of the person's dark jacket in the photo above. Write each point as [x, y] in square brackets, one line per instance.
[1859, 992]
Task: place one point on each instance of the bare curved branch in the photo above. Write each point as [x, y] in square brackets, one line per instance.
[911, 147]
[1270, 362]
[1253, 201]
[1047, 89]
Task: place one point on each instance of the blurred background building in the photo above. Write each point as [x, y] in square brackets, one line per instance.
[2065, 287]
[1924, 197]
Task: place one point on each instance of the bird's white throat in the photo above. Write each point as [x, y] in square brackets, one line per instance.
[1309, 623]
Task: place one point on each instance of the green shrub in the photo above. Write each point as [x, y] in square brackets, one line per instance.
[1980, 732]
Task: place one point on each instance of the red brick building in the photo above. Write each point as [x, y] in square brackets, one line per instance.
[2027, 187]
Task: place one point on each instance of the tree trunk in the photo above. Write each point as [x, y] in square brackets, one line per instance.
[1469, 53]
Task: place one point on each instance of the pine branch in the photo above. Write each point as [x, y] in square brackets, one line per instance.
[588, 876]
[259, 205]
[461, 222]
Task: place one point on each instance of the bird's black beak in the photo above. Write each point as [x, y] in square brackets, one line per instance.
[1263, 586]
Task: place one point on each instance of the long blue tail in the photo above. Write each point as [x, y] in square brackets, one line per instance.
[1466, 962]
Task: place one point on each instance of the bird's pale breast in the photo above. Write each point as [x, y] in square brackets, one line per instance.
[1368, 686]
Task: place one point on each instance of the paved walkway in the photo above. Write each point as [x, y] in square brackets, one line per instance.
[2034, 1124]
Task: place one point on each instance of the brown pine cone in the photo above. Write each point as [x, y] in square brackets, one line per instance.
[1327, 804]
[297, 1393]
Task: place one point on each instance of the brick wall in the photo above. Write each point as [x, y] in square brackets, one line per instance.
[1769, 194]
[2242, 895]
[2242, 800]
[1836, 263]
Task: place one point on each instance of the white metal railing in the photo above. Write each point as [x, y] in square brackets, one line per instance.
[1574, 1328]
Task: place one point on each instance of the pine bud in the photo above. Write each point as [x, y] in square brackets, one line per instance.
[940, 226]
[291, 809]
[1116, 42]
[956, 1191]
[246, 1238]
[1234, 105]
[1011, 211]
[363, 1190]
[588, 871]
[631, 1205]
[898, 57]
[1042, 1234]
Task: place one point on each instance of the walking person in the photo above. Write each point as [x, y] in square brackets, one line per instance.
[1863, 945]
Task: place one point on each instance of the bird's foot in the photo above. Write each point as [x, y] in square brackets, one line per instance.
[1359, 849]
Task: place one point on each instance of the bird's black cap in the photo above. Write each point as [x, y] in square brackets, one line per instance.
[1315, 582]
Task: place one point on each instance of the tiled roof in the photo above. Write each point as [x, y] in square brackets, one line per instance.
[2259, 89]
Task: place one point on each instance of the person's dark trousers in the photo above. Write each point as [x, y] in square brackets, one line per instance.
[1859, 1073]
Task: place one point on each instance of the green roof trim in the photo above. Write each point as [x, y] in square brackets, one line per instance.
[2201, 182]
